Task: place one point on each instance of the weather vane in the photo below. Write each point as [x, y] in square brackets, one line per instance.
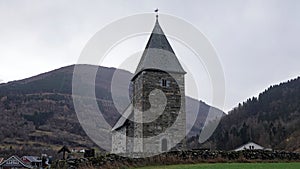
[156, 11]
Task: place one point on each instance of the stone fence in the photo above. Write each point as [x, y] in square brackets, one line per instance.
[110, 161]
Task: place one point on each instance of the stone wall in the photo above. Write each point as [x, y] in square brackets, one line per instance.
[119, 140]
[158, 114]
[157, 125]
[110, 161]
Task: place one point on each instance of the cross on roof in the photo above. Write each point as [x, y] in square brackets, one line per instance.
[156, 11]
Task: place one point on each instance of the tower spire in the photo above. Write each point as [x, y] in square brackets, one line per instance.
[158, 54]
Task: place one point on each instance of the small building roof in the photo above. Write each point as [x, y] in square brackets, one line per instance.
[247, 147]
[128, 111]
[14, 161]
[158, 54]
[32, 159]
[64, 149]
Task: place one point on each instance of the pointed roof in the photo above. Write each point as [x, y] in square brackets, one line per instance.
[246, 146]
[14, 161]
[159, 54]
[64, 149]
[124, 117]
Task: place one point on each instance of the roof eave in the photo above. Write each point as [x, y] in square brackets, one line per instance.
[137, 73]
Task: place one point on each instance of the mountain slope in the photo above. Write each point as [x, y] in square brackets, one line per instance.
[272, 120]
[38, 112]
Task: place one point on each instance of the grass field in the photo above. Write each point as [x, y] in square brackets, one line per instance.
[230, 166]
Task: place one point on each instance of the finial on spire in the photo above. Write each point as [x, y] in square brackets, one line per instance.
[156, 11]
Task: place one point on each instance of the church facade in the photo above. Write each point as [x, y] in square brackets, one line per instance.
[155, 121]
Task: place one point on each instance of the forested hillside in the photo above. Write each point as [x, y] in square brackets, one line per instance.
[272, 120]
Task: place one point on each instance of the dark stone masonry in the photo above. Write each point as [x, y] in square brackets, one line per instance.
[180, 157]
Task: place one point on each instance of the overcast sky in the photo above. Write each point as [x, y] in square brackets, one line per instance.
[257, 41]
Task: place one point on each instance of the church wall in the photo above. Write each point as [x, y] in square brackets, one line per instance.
[148, 81]
[119, 141]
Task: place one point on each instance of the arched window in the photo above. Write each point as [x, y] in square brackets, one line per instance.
[164, 144]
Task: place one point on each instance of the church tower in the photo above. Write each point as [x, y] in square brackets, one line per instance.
[155, 121]
[159, 95]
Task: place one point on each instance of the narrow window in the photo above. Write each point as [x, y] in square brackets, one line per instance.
[164, 83]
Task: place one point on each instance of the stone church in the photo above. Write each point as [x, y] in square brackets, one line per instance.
[155, 120]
